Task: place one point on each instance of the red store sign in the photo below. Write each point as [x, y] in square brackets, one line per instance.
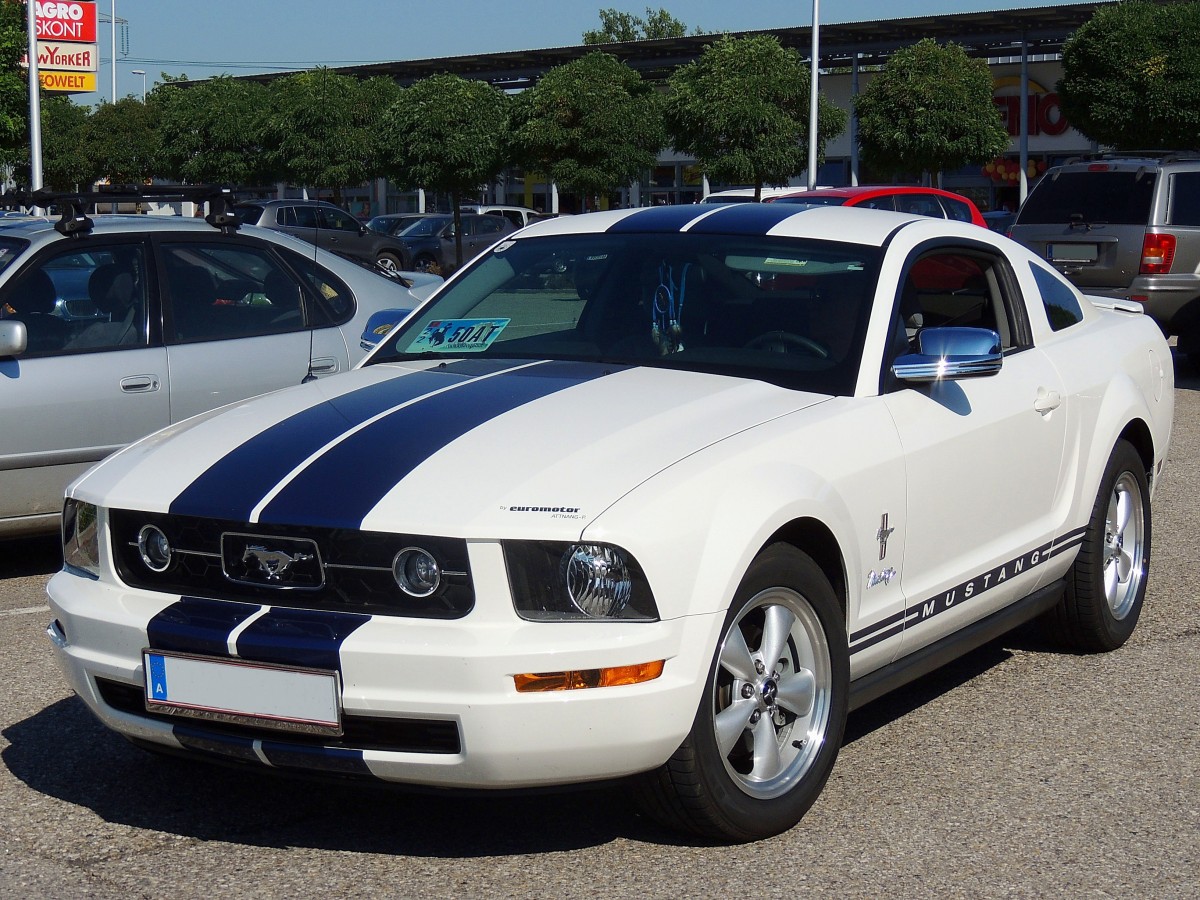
[66, 20]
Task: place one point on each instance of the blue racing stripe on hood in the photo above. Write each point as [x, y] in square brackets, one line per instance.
[341, 487]
[747, 218]
[232, 486]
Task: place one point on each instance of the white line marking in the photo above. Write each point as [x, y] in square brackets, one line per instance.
[24, 611]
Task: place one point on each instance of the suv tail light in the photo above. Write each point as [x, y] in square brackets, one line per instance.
[1158, 252]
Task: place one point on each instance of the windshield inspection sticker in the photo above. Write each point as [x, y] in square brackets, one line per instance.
[457, 336]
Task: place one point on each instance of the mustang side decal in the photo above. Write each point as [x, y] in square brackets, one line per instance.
[917, 613]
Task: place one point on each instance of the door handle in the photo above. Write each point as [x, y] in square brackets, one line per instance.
[1047, 401]
[139, 384]
[326, 365]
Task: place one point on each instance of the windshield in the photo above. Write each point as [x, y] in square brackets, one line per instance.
[424, 227]
[783, 310]
[1115, 198]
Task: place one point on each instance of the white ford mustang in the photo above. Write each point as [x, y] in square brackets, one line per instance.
[649, 494]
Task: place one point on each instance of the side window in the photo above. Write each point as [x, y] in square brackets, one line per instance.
[515, 217]
[329, 299]
[920, 205]
[221, 291]
[957, 287]
[92, 299]
[492, 225]
[302, 216]
[888, 202]
[956, 209]
[339, 220]
[1062, 306]
[1185, 199]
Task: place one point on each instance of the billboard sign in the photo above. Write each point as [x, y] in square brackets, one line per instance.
[66, 57]
[66, 20]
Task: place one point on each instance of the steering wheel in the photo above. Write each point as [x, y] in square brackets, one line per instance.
[787, 342]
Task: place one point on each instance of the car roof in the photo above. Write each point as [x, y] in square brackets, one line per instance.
[872, 190]
[847, 224]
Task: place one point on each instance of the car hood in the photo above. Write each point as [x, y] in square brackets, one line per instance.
[461, 448]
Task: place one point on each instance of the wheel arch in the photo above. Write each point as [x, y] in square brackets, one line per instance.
[813, 537]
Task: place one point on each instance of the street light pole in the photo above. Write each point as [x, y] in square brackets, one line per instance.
[141, 72]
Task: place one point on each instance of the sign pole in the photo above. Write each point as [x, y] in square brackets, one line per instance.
[35, 103]
[812, 95]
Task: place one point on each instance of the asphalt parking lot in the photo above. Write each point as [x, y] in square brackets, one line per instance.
[1019, 771]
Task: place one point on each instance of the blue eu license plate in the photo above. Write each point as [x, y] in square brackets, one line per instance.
[243, 692]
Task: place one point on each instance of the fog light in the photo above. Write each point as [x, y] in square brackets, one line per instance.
[154, 548]
[417, 572]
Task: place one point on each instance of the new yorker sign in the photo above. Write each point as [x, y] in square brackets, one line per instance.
[66, 45]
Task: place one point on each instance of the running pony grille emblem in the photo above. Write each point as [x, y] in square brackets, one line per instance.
[273, 562]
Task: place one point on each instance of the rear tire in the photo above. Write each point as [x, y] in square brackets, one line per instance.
[773, 712]
[1107, 583]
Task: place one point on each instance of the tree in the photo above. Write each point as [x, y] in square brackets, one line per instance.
[928, 110]
[67, 162]
[210, 131]
[618, 27]
[14, 84]
[742, 110]
[447, 134]
[321, 128]
[1131, 77]
[124, 141]
[590, 125]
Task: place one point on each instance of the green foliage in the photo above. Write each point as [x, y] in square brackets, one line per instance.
[929, 109]
[617, 27]
[124, 141]
[590, 125]
[446, 134]
[742, 110]
[14, 85]
[321, 129]
[210, 131]
[1131, 77]
[67, 163]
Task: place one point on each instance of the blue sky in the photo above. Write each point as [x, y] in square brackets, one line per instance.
[238, 37]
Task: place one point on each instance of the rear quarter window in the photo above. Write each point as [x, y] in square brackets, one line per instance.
[1184, 206]
[1061, 304]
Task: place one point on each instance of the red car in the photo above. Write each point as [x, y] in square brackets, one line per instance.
[907, 198]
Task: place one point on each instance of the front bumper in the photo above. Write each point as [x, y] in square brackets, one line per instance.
[432, 676]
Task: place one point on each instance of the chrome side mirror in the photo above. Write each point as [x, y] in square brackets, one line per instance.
[947, 354]
[14, 338]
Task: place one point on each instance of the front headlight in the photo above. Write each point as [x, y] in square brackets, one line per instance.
[81, 538]
[555, 582]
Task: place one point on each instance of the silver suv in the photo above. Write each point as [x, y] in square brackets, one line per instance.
[1125, 227]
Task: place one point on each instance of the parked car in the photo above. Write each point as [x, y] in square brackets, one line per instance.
[905, 198]
[518, 215]
[138, 322]
[1125, 227]
[431, 240]
[746, 195]
[327, 226]
[393, 223]
[652, 494]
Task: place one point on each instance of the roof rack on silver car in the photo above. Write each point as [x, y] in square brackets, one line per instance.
[1160, 156]
[72, 205]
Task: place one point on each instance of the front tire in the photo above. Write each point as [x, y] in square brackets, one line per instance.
[1107, 583]
[773, 712]
[389, 262]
